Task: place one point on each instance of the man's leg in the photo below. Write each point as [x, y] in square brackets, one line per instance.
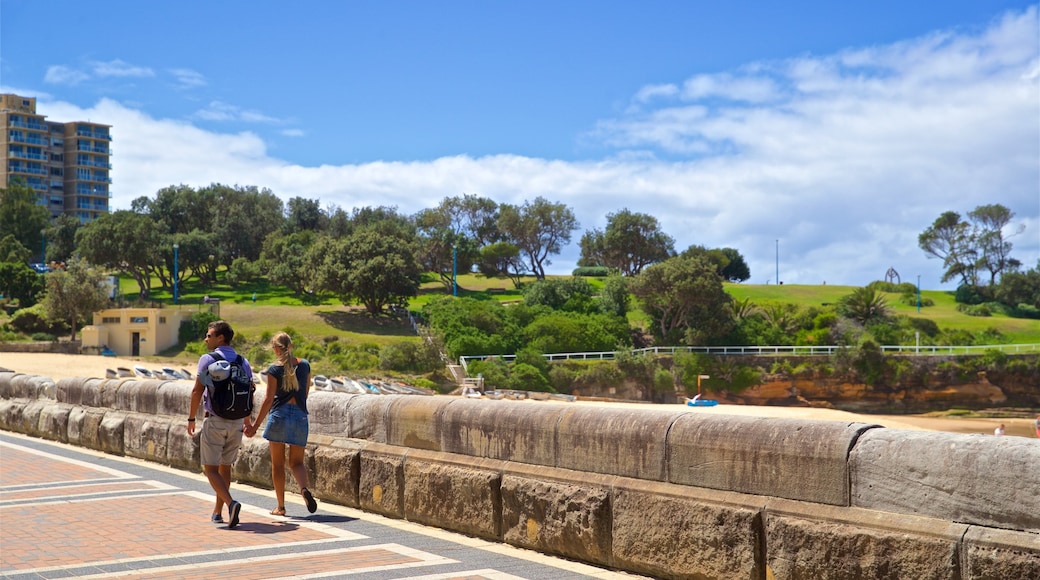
[225, 474]
[221, 485]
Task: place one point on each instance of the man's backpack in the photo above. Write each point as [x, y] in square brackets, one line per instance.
[231, 395]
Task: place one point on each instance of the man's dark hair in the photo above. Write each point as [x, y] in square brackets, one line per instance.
[224, 329]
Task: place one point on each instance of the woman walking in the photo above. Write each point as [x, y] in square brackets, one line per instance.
[288, 381]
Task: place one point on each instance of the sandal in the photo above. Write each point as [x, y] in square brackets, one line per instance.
[278, 511]
[312, 505]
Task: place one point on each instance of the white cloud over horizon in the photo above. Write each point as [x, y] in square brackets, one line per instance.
[843, 158]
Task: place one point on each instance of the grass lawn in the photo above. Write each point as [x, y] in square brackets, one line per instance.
[277, 308]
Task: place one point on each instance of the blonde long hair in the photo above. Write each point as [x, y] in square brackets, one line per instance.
[286, 359]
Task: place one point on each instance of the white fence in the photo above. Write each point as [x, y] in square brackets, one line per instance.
[770, 350]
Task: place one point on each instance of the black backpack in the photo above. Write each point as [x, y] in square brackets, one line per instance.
[232, 397]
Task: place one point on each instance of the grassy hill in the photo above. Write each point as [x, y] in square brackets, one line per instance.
[277, 308]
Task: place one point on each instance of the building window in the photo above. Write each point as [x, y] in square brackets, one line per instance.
[162, 320]
[110, 320]
[138, 320]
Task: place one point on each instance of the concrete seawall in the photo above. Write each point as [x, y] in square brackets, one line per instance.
[666, 494]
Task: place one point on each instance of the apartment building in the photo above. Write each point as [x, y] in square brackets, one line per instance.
[67, 164]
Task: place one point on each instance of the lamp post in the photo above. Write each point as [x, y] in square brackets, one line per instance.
[777, 261]
[918, 293]
[175, 246]
[454, 269]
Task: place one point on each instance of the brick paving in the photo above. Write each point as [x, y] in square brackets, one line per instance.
[69, 512]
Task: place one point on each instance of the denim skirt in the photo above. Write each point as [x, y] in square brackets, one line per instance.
[287, 424]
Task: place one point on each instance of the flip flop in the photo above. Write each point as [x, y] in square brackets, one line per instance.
[312, 506]
[278, 511]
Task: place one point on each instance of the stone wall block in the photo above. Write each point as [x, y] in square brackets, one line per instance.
[670, 531]
[337, 472]
[253, 462]
[976, 479]
[109, 391]
[381, 487]
[417, 421]
[78, 391]
[111, 432]
[457, 496]
[993, 553]
[625, 442]
[173, 398]
[812, 541]
[11, 414]
[789, 458]
[54, 422]
[507, 432]
[30, 417]
[84, 423]
[327, 413]
[182, 449]
[556, 516]
[139, 396]
[7, 389]
[367, 417]
[146, 436]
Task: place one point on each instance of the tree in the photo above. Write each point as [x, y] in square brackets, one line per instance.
[125, 241]
[20, 282]
[728, 261]
[61, 238]
[630, 242]
[11, 250]
[685, 300]
[968, 246]
[538, 229]
[948, 238]
[864, 305]
[285, 261]
[988, 231]
[304, 214]
[737, 269]
[501, 259]
[74, 293]
[1020, 288]
[367, 267]
[443, 246]
[22, 216]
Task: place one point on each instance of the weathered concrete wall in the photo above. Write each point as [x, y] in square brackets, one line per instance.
[672, 495]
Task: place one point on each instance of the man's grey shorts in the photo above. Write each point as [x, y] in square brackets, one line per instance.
[220, 440]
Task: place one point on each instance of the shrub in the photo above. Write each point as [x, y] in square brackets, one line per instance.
[408, 357]
[975, 309]
[592, 271]
[524, 377]
[43, 337]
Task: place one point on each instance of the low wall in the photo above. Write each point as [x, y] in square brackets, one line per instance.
[671, 494]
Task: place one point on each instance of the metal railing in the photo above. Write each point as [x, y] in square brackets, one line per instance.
[769, 351]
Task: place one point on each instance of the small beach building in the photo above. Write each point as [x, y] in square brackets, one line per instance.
[133, 331]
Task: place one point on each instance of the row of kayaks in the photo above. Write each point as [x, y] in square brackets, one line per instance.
[140, 372]
[474, 393]
[364, 387]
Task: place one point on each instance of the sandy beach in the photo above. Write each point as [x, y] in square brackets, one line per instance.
[59, 366]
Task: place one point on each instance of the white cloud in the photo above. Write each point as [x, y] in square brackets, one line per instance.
[293, 133]
[844, 158]
[220, 111]
[187, 78]
[119, 68]
[62, 75]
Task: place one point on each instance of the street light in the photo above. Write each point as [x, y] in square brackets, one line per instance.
[175, 246]
[778, 261]
[454, 269]
[919, 293]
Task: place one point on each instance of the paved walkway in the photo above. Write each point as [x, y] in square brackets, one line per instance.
[71, 512]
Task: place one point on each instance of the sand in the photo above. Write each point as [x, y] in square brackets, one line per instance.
[59, 366]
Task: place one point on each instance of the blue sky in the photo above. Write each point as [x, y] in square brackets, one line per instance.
[840, 129]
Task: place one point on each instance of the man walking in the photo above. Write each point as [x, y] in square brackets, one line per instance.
[220, 438]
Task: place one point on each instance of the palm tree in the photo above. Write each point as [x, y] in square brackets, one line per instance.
[865, 305]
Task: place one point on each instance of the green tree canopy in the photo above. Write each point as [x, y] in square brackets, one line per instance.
[23, 217]
[125, 241]
[539, 229]
[685, 300]
[630, 242]
[74, 294]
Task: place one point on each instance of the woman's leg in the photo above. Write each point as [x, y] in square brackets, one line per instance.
[299, 470]
[278, 471]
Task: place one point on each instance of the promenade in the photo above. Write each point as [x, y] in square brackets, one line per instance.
[68, 512]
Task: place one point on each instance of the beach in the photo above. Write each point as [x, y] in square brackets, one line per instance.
[59, 366]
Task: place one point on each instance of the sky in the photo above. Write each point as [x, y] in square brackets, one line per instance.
[817, 138]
